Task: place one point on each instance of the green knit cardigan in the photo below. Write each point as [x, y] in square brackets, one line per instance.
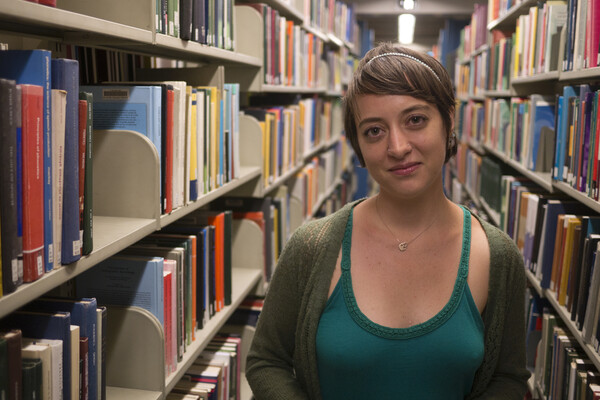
[282, 360]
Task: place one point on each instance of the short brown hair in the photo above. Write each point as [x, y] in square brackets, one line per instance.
[390, 74]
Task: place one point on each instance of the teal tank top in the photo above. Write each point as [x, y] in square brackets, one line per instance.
[437, 359]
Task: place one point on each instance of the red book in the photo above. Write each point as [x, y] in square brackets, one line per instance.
[32, 104]
[169, 152]
[167, 279]
[218, 221]
[83, 108]
[51, 3]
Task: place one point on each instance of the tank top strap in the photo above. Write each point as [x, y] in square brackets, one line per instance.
[347, 243]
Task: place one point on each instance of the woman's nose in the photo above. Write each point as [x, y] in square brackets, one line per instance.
[398, 144]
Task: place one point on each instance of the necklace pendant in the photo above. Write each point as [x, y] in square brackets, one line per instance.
[402, 246]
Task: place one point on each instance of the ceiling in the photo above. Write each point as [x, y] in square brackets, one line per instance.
[382, 17]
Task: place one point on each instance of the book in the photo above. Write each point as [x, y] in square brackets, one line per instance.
[59, 104]
[83, 314]
[33, 182]
[65, 76]
[38, 325]
[31, 369]
[56, 350]
[44, 354]
[125, 281]
[130, 107]
[169, 312]
[202, 273]
[84, 368]
[185, 19]
[101, 321]
[554, 208]
[86, 182]
[222, 249]
[188, 243]
[542, 115]
[75, 361]
[33, 67]
[176, 254]
[10, 242]
[252, 204]
[13, 338]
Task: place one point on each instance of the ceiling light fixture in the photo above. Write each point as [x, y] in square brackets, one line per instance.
[407, 4]
[406, 28]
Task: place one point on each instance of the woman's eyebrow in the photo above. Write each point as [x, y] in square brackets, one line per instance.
[408, 110]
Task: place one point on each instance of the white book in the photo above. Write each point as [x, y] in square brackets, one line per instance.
[44, 353]
[557, 18]
[56, 347]
[220, 359]
[59, 104]
[580, 28]
[75, 335]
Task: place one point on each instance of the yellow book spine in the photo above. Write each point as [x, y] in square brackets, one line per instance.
[566, 261]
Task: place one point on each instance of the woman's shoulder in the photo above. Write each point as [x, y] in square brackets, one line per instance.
[505, 257]
[325, 226]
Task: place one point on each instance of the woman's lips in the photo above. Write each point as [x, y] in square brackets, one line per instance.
[404, 169]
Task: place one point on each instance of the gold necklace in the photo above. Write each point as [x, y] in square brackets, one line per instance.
[402, 246]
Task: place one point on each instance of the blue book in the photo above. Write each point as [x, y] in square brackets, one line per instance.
[65, 76]
[125, 281]
[558, 146]
[39, 325]
[127, 107]
[568, 92]
[83, 314]
[543, 115]
[34, 67]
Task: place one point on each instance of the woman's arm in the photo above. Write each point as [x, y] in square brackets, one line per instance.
[503, 374]
[269, 366]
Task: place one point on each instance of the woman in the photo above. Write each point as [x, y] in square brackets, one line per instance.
[404, 294]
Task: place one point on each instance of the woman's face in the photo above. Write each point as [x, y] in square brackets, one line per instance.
[403, 143]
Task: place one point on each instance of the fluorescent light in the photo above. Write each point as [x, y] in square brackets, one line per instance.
[407, 4]
[406, 28]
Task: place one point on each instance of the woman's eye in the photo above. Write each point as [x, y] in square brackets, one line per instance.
[374, 131]
[416, 120]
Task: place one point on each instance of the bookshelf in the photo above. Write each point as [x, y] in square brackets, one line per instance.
[127, 168]
[500, 143]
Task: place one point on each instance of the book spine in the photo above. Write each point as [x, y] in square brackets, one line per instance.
[65, 76]
[47, 161]
[33, 182]
[88, 211]
[8, 178]
[82, 131]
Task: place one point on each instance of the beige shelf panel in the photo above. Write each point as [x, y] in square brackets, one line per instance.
[131, 332]
[126, 175]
